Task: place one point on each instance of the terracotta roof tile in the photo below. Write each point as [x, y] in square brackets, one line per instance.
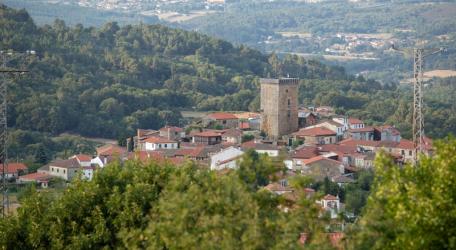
[222, 116]
[13, 168]
[318, 131]
[157, 139]
[354, 121]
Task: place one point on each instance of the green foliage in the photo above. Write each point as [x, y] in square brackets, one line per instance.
[107, 82]
[37, 149]
[255, 169]
[247, 137]
[411, 207]
[138, 206]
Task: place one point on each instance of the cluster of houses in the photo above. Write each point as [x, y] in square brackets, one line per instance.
[325, 146]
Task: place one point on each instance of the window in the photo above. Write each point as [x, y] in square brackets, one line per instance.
[57, 170]
[286, 90]
[289, 114]
[402, 152]
[224, 122]
[410, 152]
[166, 145]
[289, 103]
[64, 171]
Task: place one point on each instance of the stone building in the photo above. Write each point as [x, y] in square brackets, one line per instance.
[279, 106]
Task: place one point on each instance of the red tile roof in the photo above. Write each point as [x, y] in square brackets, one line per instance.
[258, 146]
[355, 143]
[222, 116]
[354, 121]
[317, 159]
[319, 131]
[157, 139]
[83, 157]
[35, 177]
[207, 134]
[405, 144]
[244, 125]
[329, 197]
[360, 130]
[172, 129]
[110, 150]
[305, 153]
[14, 168]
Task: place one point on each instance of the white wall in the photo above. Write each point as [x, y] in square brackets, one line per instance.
[155, 146]
[270, 153]
[224, 155]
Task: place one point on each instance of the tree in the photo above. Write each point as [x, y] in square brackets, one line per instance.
[255, 169]
[411, 207]
[40, 155]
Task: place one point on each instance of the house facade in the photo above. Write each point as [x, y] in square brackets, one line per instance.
[316, 136]
[156, 143]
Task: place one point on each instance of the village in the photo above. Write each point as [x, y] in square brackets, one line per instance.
[313, 142]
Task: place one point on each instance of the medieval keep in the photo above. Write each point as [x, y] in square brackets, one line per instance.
[279, 106]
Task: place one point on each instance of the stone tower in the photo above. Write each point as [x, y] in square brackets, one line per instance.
[279, 106]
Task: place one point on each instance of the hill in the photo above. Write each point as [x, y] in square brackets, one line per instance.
[108, 81]
[111, 80]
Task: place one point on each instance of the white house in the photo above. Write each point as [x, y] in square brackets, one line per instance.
[155, 143]
[226, 158]
[331, 204]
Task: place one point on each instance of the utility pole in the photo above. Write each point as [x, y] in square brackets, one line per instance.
[418, 74]
[4, 124]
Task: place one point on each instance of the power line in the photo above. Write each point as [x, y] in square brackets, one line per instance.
[4, 123]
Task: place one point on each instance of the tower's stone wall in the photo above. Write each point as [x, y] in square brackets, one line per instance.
[279, 105]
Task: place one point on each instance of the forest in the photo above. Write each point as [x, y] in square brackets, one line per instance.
[135, 205]
[109, 81]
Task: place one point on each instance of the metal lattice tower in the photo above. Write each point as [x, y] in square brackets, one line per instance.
[418, 104]
[3, 143]
[4, 71]
[418, 119]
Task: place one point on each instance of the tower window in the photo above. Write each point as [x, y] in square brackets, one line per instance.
[289, 102]
[288, 113]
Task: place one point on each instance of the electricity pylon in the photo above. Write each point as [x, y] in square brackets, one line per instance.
[418, 74]
[4, 123]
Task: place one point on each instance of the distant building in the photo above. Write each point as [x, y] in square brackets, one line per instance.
[207, 138]
[365, 134]
[316, 136]
[225, 120]
[172, 133]
[226, 158]
[156, 143]
[306, 119]
[15, 169]
[279, 106]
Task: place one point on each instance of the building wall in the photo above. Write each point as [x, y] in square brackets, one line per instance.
[318, 140]
[224, 155]
[155, 146]
[64, 173]
[279, 105]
